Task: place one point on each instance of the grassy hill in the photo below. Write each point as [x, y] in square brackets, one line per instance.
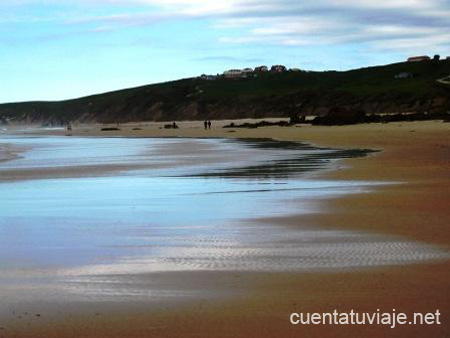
[373, 89]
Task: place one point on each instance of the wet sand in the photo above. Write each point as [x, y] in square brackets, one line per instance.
[8, 153]
[416, 155]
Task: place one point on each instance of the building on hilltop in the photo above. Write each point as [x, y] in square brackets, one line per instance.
[261, 69]
[419, 58]
[278, 69]
[208, 77]
[232, 73]
[295, 70]
[404, 76]
[247, 72]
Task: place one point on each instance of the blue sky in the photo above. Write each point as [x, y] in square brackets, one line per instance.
[53, 50]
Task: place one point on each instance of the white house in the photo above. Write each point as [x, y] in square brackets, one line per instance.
[404, 76]
[208, 77]
[232, 73]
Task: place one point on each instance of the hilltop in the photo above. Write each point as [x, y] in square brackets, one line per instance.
[400, 87]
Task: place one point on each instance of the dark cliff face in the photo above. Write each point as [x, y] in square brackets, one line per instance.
[373, 90]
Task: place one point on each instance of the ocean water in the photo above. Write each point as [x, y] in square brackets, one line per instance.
[79, 212]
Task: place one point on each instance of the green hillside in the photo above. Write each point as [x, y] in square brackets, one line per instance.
[373, 90]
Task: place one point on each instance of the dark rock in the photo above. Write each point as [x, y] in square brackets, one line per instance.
[338, 116]
[171, 126]
[297, 119]
[257, 124]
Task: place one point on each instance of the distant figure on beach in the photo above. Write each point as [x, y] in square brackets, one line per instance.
[174, 126]
[69, 127]
[209, 124]
[205, 124]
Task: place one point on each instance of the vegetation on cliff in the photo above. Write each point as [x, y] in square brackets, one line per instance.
[373, 90]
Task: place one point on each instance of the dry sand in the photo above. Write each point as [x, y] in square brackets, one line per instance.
[414, 154]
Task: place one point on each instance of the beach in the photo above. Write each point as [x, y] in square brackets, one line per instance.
[413, 157]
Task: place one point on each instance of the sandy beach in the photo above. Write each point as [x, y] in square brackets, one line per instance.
[225, 169]
[414, 156]
[7, 153]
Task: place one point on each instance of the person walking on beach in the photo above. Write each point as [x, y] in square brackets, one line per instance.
[209, 125]
[205, 124]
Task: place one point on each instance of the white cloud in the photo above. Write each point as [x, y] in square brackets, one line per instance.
[416, 44]
[387, 4]
[287, 22]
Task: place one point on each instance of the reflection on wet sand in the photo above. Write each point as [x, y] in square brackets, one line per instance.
[117, 210]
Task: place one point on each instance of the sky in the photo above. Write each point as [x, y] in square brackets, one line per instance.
[61, 49]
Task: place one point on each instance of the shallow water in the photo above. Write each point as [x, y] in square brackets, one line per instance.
[76, 213]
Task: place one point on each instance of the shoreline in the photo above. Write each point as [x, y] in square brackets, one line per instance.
[410, 153]
[417, 159]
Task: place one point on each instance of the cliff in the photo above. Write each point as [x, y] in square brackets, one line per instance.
[374, 90]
